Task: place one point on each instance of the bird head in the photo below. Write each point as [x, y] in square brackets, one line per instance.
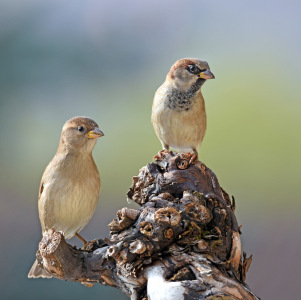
[188, 71]
[80, 134]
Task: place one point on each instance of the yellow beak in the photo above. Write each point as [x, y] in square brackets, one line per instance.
[95, 133]
[206, 75]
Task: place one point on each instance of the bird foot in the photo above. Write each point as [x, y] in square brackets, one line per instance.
[161, 154]
[82, 239]
[194, 158]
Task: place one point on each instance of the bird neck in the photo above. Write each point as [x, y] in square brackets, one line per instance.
[75, 147]
[183, 100]
[73, 152]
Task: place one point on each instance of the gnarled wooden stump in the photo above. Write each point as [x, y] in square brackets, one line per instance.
[183, 243]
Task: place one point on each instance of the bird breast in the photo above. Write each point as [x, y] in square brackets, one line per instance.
[70, 195]
[180, 125]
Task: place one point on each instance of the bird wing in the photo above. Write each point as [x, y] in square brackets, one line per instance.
[41, 189]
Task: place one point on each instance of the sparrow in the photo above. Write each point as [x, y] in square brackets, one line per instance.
[70, 185]
[178, 111]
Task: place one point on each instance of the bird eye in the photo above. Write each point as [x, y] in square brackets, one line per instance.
[193, 69]
[81, 128]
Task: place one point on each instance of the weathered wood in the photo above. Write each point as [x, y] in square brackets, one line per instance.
[183, 243]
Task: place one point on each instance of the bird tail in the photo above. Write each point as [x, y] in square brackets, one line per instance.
[36, 272]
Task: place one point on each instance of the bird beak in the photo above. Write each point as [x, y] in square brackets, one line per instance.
[95, 133]
[206, 75]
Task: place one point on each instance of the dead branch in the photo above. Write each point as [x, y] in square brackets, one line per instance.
[183, 243]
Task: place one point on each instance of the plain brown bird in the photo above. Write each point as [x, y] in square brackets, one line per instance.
[178, 113]
[70, 185]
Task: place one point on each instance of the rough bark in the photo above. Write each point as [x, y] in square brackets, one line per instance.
[183, 243]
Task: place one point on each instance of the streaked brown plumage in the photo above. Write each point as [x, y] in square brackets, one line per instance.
[178, 113]
[70, 185]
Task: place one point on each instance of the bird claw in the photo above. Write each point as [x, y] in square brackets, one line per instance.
[194, 158]
[161, 154]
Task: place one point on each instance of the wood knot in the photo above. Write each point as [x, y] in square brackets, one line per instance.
[122, 257]
[198, 213]
[126, 217]
[182, 164]
[168, 234]
[137, 247]
[146, 228]
[168, 215]
[112, 251]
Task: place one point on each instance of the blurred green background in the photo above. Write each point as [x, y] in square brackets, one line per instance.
[105, 60]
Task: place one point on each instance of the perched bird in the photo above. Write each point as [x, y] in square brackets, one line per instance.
[70, 185]
[178, 113]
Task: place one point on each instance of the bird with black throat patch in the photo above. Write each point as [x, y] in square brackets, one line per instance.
[70, 185]
[178, 112]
